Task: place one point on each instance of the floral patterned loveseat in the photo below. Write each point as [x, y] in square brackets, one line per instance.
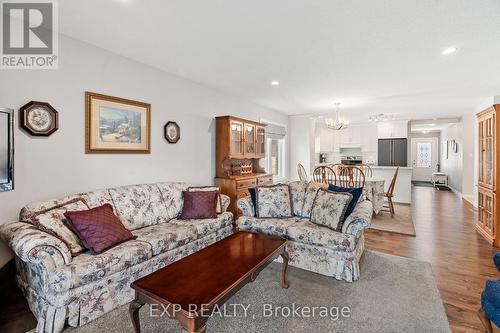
[62, 286]
[310, 246]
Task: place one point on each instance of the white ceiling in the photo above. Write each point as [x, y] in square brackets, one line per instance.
[431, 125]
[374, 57]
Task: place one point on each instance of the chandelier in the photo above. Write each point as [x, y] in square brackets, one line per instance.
[337, 123]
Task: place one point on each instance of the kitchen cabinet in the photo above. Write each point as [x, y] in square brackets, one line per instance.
[392, 129]
[369, 139]
[329, 140]
[350, 137]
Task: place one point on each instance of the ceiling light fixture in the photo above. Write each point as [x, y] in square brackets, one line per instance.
[275, 83]
[381, 117]
[337, 123]
[125, 2]
[449, 50]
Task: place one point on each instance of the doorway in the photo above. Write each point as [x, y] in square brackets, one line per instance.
[424, 157]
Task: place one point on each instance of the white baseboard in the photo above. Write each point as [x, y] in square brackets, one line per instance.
[470, 199]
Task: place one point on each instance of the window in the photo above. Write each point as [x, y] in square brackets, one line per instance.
[424, 154]
[275, 157]
[275, 150]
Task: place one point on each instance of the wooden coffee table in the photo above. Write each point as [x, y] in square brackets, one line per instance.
[188, 289]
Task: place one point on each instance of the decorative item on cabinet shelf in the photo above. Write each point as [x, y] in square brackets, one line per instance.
[38, 118]
[116, 125]
[172, 132]
[239, 167]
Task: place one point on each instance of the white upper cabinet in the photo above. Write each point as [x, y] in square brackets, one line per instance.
[350, 137]
[326, 140]
[329, 140]
[369, 136]
[393, 129]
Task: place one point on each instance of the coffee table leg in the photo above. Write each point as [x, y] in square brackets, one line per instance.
[133, 309]
[200, 330]
[284, 255]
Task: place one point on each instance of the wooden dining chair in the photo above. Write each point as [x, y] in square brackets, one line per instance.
[324, 174]
[337, 167]
[302, 172]
[389, 194]
[351, 177]
[367, 170]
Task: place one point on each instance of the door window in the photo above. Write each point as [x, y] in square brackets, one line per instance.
[424, 155]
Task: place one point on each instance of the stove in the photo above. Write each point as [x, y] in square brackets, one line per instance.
[351, 160]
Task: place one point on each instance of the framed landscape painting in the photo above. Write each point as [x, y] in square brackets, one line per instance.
[116, 125]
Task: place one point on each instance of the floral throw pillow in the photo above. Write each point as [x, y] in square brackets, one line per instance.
[329, 208]
[274, 201]
[54, 222]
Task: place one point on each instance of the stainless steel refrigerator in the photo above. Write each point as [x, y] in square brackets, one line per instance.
[393, 152]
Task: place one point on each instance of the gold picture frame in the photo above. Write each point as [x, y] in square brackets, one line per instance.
[116, 125]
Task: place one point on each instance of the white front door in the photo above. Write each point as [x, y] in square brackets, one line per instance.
[424, 156]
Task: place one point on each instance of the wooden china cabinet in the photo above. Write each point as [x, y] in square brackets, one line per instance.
[240, 149]
[488, 207]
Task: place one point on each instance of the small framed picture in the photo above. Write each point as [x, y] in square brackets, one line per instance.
[116, 125]
[38, 118]
[172, 132]
[454, 146]
[445, 149]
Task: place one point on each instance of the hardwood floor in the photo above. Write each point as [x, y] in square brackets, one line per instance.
[446, 238]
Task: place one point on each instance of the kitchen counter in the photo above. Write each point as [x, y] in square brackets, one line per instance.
[389, 167]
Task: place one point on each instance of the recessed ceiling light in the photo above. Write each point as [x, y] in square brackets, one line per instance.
[449, 50]
[125, 2]
[275, 83]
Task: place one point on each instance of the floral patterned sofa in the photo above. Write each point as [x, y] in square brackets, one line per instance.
[313, 247]
[63, 287]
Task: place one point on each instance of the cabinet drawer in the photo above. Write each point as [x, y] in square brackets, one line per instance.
[242, 193]
[267, 180]
[246, 183]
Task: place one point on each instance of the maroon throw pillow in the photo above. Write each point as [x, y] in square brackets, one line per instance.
[199, 205]
[98, 228]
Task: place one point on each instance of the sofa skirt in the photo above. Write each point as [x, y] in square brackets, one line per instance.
[84, 304]
[341, 265]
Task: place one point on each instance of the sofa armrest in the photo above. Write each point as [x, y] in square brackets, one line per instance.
[225, 202]
[246, 206]
[359, 219]
[32, 245]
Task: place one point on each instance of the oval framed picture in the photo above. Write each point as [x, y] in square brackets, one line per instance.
[38, 118]
[172, 132]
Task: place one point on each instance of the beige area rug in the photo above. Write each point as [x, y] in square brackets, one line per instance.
[401, 223]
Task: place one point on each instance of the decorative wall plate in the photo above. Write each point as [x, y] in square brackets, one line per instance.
[172, 132]
[38, 118]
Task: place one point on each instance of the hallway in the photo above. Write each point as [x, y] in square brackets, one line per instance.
[460, 258]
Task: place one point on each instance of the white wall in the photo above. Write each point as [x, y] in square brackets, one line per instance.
[469, 125]
[302, 139]
[453, 166]
[55, 166]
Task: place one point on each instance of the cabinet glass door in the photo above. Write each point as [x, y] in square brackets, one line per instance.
[486, 175]
[260, 141]
[249, 139]
[236, 130]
